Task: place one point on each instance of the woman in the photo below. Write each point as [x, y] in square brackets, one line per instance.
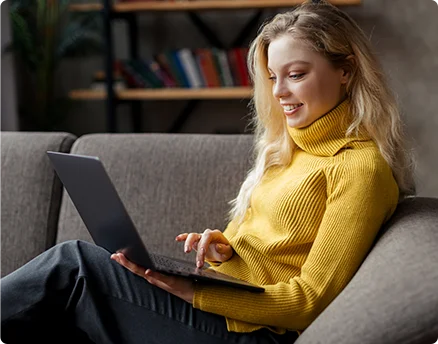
[330, 170]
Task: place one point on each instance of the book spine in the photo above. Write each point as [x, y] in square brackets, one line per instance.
[136, 67]
[217, 66]
[139, 67]
[179, 69]
[223, 60]
[160, 73]
[190, 67]
[150, 75]
[231, 54]
[132, 78]
[208, 68]
[166, 67]
[240, 54]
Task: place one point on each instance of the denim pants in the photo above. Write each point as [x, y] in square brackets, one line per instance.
[74, 293]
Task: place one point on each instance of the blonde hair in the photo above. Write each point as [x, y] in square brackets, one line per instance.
[335, 35]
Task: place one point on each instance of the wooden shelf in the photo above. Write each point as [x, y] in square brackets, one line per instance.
[199, 5]
[167, 94]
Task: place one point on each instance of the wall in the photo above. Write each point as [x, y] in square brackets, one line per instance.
[403, 33]
[9, 120]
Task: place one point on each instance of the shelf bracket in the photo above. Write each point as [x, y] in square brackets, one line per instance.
[250, 25]
[205, 30]
[184, 115]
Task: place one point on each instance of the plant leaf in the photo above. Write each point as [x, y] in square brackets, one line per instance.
[23, 40]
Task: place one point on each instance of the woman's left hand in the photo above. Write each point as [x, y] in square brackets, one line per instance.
[178, 286]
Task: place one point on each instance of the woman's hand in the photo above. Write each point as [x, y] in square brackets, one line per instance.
[178, 286]
[210, 245]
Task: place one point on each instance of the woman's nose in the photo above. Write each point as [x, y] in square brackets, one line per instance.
[280, 90]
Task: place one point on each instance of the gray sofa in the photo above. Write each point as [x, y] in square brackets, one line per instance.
[178, 183]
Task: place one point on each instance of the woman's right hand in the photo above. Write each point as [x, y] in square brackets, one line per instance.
[210, 245]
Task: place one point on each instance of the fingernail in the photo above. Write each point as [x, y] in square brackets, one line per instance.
[186, 249]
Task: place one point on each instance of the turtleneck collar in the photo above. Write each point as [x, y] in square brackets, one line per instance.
[326, 136]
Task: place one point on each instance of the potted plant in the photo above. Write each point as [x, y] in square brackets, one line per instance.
[44, 32]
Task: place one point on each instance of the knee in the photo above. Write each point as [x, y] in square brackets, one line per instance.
[75, 248]
[73, 244]
[81, 252]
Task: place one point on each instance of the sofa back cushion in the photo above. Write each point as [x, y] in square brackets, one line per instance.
[31, 195]
[169, 183]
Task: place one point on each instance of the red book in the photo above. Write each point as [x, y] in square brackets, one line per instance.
[205, 59]
[129, 75]
[241, 55]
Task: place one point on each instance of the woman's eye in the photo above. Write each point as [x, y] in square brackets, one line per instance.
[296, 76]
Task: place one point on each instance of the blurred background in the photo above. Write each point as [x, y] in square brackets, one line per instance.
[54, 55]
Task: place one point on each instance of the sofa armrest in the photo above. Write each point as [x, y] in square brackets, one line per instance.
[30, 195]
[393, 297]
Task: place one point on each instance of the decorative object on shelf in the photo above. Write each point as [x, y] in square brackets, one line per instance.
[45, 32]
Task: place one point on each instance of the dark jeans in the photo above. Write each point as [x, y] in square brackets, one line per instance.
[74, 293]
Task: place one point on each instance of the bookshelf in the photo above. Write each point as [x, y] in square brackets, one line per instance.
[200, 5]
[128, 10]
[167, 94]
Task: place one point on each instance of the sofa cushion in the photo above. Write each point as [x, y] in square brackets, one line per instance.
[169, 183]
[31, 195]
[393, 297]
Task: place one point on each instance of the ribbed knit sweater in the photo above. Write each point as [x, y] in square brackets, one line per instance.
[308, 228]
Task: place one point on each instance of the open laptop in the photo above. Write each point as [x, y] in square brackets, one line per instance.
[110, 226]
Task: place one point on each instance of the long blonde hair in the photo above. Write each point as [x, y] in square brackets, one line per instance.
[335, 35]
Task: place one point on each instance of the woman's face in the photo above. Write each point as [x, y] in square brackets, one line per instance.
[303, 81]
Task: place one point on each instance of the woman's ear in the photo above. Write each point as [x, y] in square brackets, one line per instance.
[348, 68]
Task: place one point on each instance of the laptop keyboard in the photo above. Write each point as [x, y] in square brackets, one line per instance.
[165, 263]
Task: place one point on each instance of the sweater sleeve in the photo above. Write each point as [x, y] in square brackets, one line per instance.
[360, 198]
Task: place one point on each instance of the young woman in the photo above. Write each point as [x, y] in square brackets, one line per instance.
[330, 170]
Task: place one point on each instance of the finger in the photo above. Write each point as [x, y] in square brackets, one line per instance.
[223, 248]
[203, 244]
[138, 270]
[225, 251]
[215, 253]
[207, 246]
[220, 248]
[192, 238]
[160, 280]
[181, 237]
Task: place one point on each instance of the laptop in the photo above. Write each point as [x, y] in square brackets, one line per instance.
[111, 227]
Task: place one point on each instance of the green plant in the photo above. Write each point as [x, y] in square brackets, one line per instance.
[44, 33]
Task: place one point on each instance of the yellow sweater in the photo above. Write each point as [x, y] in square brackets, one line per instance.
[308, 228]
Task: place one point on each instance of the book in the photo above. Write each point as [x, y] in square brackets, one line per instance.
[134, 69]
[223, 67]
[160, 73]
[206, 65]
[131, 78]
[166, 67]
[240, 56]
[190, 68]
[149, 77]
[178, 68]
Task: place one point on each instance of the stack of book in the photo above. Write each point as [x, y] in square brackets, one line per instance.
[184, 68]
